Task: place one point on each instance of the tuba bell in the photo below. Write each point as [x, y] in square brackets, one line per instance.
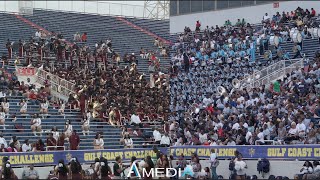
[248, 78]
[257, 74]
[221, 90]
[236, 83]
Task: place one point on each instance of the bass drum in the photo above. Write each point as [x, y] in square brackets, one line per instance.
[316, 32]
[297, 37]
[274, 40]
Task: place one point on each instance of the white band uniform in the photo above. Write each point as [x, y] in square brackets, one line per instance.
[274, 40]
[297, 37]
[316, 32]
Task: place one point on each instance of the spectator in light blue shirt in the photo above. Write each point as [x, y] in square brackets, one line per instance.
[222, 53]
[237, 47]
[242, 53]
[199, 55]
[214, 55]
[206, 57]
[231, 53]
[286, 56]
[243, 46]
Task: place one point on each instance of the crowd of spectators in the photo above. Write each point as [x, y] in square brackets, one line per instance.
[204, 61]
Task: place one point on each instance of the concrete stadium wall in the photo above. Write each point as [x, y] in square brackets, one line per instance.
[252, 14]
[277, 168]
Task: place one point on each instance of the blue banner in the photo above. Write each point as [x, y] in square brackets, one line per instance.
[290, 152]
[86, 156]
[251, 152]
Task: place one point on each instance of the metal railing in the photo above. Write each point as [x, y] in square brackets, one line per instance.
[54, 148]
[58, 84]
[272, 72]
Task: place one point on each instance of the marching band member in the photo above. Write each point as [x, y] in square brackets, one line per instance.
[2, 118]
[9, 48]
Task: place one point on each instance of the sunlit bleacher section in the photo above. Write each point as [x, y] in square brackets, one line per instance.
[158, 27]
[13, 29]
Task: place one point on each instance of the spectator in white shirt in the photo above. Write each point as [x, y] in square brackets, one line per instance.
[157, 136]
[202, 137]
[292, 133]
[5, 105]
[38, 34]
[301, 128]
[128, 142]
[85, 125]
[265, 18]
[98, 142]
[165, 140]
[135, 120]
[261, 137]
[44, 107]
[248, 135]
[26, 147]
[36, 125]
[240, 166]
[172, 127]
[231, 142]
[236, 126]
[62, 107]
[2, 118]
[55, 133]
[3, 141]
[306, 169]
[266, 132]
[207, 100]
[2, 94]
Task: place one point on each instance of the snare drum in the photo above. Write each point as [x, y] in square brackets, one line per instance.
[297, 37]
[274, 40]
[316, 32]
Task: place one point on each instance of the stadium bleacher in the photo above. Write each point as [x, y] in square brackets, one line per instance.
[213, 126]
[124, 39]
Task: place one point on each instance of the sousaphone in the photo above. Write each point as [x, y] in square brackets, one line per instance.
[236, 83]
[221, 90]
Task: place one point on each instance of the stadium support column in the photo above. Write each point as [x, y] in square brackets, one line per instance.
[25, 7]
[156, 9]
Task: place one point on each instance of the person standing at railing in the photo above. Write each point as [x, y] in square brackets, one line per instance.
[20, 44]
[51, 142]
[9, 48]
[74, 141]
